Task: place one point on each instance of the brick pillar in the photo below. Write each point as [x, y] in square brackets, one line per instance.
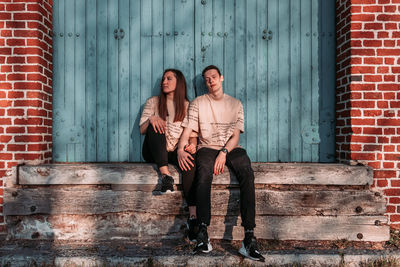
[368, 92]
[25, 85]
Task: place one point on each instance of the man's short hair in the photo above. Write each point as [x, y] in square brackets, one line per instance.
[211, 67]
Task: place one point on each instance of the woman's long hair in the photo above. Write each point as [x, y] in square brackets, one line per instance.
[180, 97]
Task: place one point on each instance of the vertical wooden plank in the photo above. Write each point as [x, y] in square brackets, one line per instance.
[168, 39]
[306, 75]
[314, 77]
[156, 46]
[262, 102]
[217, 49]
[240, 59]
[102, 80]
[69, 89]
[229, 47]
[207, 24]
[184, 41]
[112, 93]
[283, 80]
[251, 80]
[79, 35]
[58, 80]
[327, 79]
[135, 109]
[199, 34]
[145, 51]
[295, 82]
[91, 80]
[123, 81]
[273, 82]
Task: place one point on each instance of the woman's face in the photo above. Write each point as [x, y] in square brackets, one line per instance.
[168, 82]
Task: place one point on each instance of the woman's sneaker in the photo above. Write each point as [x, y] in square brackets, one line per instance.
[249, 249]
[167, 184]
[193, 229]
[203, 242]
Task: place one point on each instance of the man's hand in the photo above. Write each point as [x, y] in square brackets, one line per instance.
[191, 148]
[158, 124]
[219, 163]
[185, 160]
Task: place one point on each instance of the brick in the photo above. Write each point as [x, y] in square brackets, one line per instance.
[388, 52]
[389, 113]
[6, 33]
[38, 60]
[391, 26]
[373, 95]
[362, 104]
[389, 87]
[27, 16]
[389, 78]
[37, 130]
[5, 51]
[37, 77]
[28, 103]
[390, 209]
[6, 156]
[389, 43]
[28, 138]
[382, 69]
[15, 94]
[11, 60]
[28, 68]
[37, 147]
[372, 78]
[364, 52]
[374, 164]
[372, 113]
[28, 85]
[393, 192]
[15, 24]
[16, 77]
[389, 148]
[5, 15]
[373, 26]
[373, 60]
[28, 51]
[5, 138]
[362, 156]
[362, 34]
[393, 157]
[387, 17]
[362, 87]
[28, 121]
[381, 183]
[363, 139]
[388, 165]
[372, 148]
[15, 42]
[27, 156]
[14, 147]
[396, 69]
[15, 112]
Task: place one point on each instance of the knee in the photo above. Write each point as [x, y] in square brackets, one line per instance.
[150, 131]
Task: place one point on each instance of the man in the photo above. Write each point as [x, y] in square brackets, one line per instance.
[218, 120]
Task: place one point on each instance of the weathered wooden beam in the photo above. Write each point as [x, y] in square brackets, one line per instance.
[145, 226]
[144, 174]
[49, 200]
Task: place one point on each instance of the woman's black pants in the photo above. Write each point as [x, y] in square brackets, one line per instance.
[238, 161]
[155, 151]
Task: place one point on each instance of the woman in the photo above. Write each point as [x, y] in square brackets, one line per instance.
[161, 123]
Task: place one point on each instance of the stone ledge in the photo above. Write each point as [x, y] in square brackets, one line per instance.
[146, 174]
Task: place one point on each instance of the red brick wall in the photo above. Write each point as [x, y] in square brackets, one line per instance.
[368, 92]
[25, 85]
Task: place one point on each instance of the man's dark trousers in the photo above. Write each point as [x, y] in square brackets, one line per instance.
[238, 161]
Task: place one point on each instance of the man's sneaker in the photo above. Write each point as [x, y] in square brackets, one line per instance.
[249, 249]
[193, 229]
[203, 242]
[167, 183]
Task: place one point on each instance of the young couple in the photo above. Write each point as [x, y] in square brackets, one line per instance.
[200, 138]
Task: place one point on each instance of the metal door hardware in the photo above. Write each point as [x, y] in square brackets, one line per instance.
[119, 34]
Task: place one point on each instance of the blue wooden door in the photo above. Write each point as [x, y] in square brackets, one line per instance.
[277, 57]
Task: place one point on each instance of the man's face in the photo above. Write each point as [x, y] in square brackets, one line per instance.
[213, 80]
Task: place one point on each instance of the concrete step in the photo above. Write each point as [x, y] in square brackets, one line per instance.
[169, 254]
[122, 201]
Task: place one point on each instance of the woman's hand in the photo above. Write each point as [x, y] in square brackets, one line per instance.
[185, 160]
[190, 148]
[219, 163]
[159, 125]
